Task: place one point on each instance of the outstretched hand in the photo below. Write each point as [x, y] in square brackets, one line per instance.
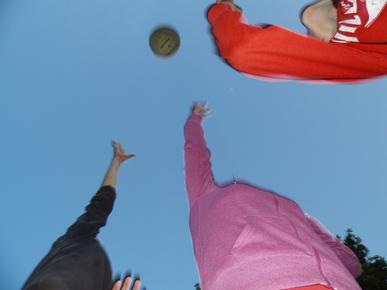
[119, 286]
[200, 109]
[119, 153]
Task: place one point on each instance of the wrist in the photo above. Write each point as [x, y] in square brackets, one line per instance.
[196, 117]
[116, 161]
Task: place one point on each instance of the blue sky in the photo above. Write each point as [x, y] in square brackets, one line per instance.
[75, 74]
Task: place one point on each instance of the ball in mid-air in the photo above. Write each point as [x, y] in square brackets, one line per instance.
[164, 41]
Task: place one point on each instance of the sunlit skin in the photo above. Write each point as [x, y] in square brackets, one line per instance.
[119, 285]
[119, 157]
[320, 18]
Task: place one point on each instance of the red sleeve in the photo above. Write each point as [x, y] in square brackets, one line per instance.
[198, 173]
[345, 254]
[279, 53]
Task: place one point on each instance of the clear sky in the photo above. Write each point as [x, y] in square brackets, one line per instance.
[75, 74]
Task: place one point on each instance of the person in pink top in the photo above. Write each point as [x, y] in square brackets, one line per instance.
[246, 238]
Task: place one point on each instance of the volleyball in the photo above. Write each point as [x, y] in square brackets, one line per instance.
[164, 41]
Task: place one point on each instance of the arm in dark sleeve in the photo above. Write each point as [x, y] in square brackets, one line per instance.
[95, 216]
[85, 228]
[275, 52]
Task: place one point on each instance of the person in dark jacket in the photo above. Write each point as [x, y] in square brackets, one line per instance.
[77, 261]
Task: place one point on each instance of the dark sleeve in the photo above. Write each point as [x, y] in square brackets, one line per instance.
[95, 216]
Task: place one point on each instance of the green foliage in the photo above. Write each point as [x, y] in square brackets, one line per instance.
[374, 276]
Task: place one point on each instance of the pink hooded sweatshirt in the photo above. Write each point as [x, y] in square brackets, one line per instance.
[245, 238]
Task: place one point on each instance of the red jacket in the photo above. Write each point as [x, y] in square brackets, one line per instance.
[276, 52]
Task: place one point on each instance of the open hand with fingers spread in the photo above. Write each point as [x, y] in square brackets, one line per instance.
[200, 109]
[119, 157]
[119, 153]
[125, 286]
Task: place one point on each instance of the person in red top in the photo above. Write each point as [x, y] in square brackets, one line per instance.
[347, 42]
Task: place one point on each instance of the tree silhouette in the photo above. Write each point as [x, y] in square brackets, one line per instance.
[374, 276]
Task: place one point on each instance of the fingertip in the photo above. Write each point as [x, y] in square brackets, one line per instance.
[137, 284]
[127, 282]
[117, 285]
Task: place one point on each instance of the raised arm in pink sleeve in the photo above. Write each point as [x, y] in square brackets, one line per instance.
[345, 254]
[198, 174]
[276, 52]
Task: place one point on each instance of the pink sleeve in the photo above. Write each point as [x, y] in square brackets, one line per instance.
[198, 174]
[276, 52]
[345, 254]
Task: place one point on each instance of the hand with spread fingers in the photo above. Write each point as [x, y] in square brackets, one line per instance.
[125, 286]
[119, 153]
[119, 157]
[200, 109]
